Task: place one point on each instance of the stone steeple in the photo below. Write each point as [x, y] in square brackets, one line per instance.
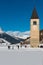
[34, 29]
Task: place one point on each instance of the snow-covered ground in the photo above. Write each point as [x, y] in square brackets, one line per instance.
[20, 49]
[15, 47]
[21, 57]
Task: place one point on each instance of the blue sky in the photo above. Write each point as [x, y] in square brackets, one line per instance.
[15, 14]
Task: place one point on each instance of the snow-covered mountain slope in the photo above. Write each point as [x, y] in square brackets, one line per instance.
[9, 38]
[19, 34]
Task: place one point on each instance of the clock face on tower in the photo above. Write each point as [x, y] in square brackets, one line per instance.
[34, 27]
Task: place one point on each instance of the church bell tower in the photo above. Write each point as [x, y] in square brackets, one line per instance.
[34, 26]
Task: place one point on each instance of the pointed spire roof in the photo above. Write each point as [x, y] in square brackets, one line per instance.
[34, 14]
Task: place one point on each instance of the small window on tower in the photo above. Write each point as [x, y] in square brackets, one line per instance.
[34, 23]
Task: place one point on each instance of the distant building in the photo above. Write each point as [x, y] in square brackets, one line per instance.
[41, 36]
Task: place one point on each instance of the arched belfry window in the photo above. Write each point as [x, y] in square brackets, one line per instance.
[34, 23]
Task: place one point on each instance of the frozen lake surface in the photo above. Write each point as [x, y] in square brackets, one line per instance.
[21, 57]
